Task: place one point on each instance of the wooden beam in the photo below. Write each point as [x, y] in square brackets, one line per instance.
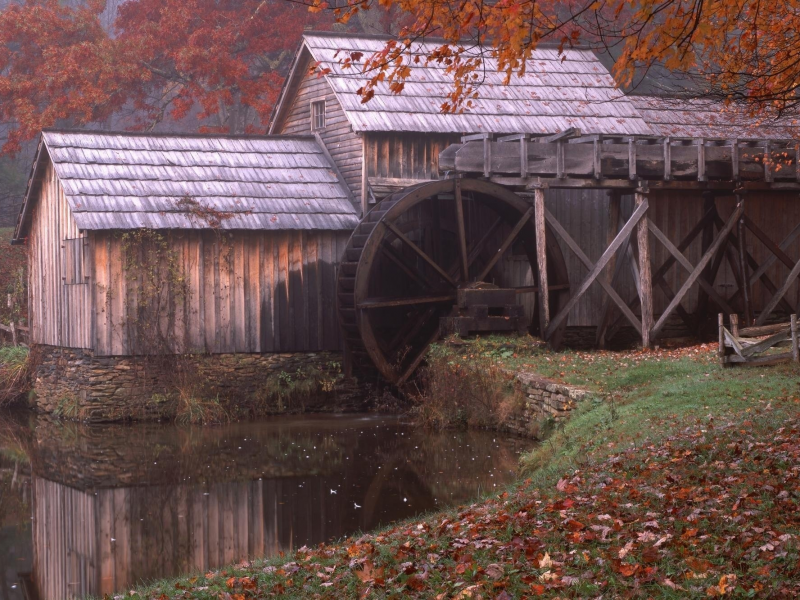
[597, 157]
[778, 251]
[595, 269]
[765, 280]
[393, 228]
[631, 159]
[645, 274]
[701, 160]
[667, 159]
[698, 269]
[409, 270]
[541, 259]
[709, 205]
[779, 294]
[508, 241]
[681, 258]
[572, 132]
[393, 302]
[462, 231]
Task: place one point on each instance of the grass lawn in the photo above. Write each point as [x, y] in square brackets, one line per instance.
[683, 483]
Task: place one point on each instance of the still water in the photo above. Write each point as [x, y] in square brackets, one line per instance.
[89, 510]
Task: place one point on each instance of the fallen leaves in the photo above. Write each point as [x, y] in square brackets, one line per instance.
[651, 518]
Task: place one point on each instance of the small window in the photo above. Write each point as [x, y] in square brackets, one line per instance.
[73, 261]
[318, 115]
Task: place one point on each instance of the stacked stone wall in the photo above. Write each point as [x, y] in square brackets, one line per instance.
[75, 383]
[544, 400]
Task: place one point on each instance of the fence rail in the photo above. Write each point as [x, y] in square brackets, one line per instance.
[18, 333]
[756, 345]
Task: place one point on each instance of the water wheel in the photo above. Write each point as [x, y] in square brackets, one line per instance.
[416, 248]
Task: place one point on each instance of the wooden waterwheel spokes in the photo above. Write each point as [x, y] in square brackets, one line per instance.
[406, 261]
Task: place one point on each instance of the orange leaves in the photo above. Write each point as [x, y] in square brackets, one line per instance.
[369, 573]
[726, 585]
[699, 565]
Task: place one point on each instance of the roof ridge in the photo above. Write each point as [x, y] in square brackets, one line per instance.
[435, 39]
[143, 134]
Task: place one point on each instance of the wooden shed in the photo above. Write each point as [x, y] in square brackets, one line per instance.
[394, 141]
[143, 243]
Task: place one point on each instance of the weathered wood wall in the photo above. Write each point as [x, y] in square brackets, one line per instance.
[398, 158]
[343, 145]
[92, 544]
[59, 313]
[244, 291]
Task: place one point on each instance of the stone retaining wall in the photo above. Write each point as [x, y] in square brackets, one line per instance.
[76, 384]
[544, 400]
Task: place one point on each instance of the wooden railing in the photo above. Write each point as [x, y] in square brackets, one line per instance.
[755, 345]
[18, 333]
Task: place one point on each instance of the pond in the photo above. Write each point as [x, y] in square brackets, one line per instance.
[88, 510]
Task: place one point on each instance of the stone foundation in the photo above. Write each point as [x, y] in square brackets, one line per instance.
[75, 384]
[544, 400]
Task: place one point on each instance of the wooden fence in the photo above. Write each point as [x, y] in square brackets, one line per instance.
[757, 345]
[18, 333]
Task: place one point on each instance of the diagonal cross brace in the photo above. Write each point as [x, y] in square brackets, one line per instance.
[698, 270]
[596, 268]
[779, 294]
[681, 258]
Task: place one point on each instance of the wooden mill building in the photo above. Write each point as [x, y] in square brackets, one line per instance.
[394, 141]
[252, 231]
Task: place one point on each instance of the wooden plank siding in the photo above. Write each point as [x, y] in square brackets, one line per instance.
[59, 312]
[343, 145]
[245, 291]
[404, 156]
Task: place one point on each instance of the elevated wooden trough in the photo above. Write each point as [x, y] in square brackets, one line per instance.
[572, 160]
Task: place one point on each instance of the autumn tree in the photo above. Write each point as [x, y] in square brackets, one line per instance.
[746, 50]
[216, 62]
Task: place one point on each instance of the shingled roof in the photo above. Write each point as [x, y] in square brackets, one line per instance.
[128, 181]
[556, 93]
[709, 118]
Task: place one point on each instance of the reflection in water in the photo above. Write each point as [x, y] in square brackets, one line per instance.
[113, 505]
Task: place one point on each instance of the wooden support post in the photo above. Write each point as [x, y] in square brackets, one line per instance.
[645, 274]
[13, 333]
[721, 350]
[734, 325]
[746, 291]
[541, 260]
[795, 347]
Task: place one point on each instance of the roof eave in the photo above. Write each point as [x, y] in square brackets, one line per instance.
[281, 105]
[20, 232]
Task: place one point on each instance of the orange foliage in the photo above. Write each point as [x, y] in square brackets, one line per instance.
[731, 49]
[218, 61]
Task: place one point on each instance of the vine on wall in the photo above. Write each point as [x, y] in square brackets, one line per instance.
[157, 286]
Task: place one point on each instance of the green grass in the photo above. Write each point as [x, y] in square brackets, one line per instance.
[677, 448]
[13, 355]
